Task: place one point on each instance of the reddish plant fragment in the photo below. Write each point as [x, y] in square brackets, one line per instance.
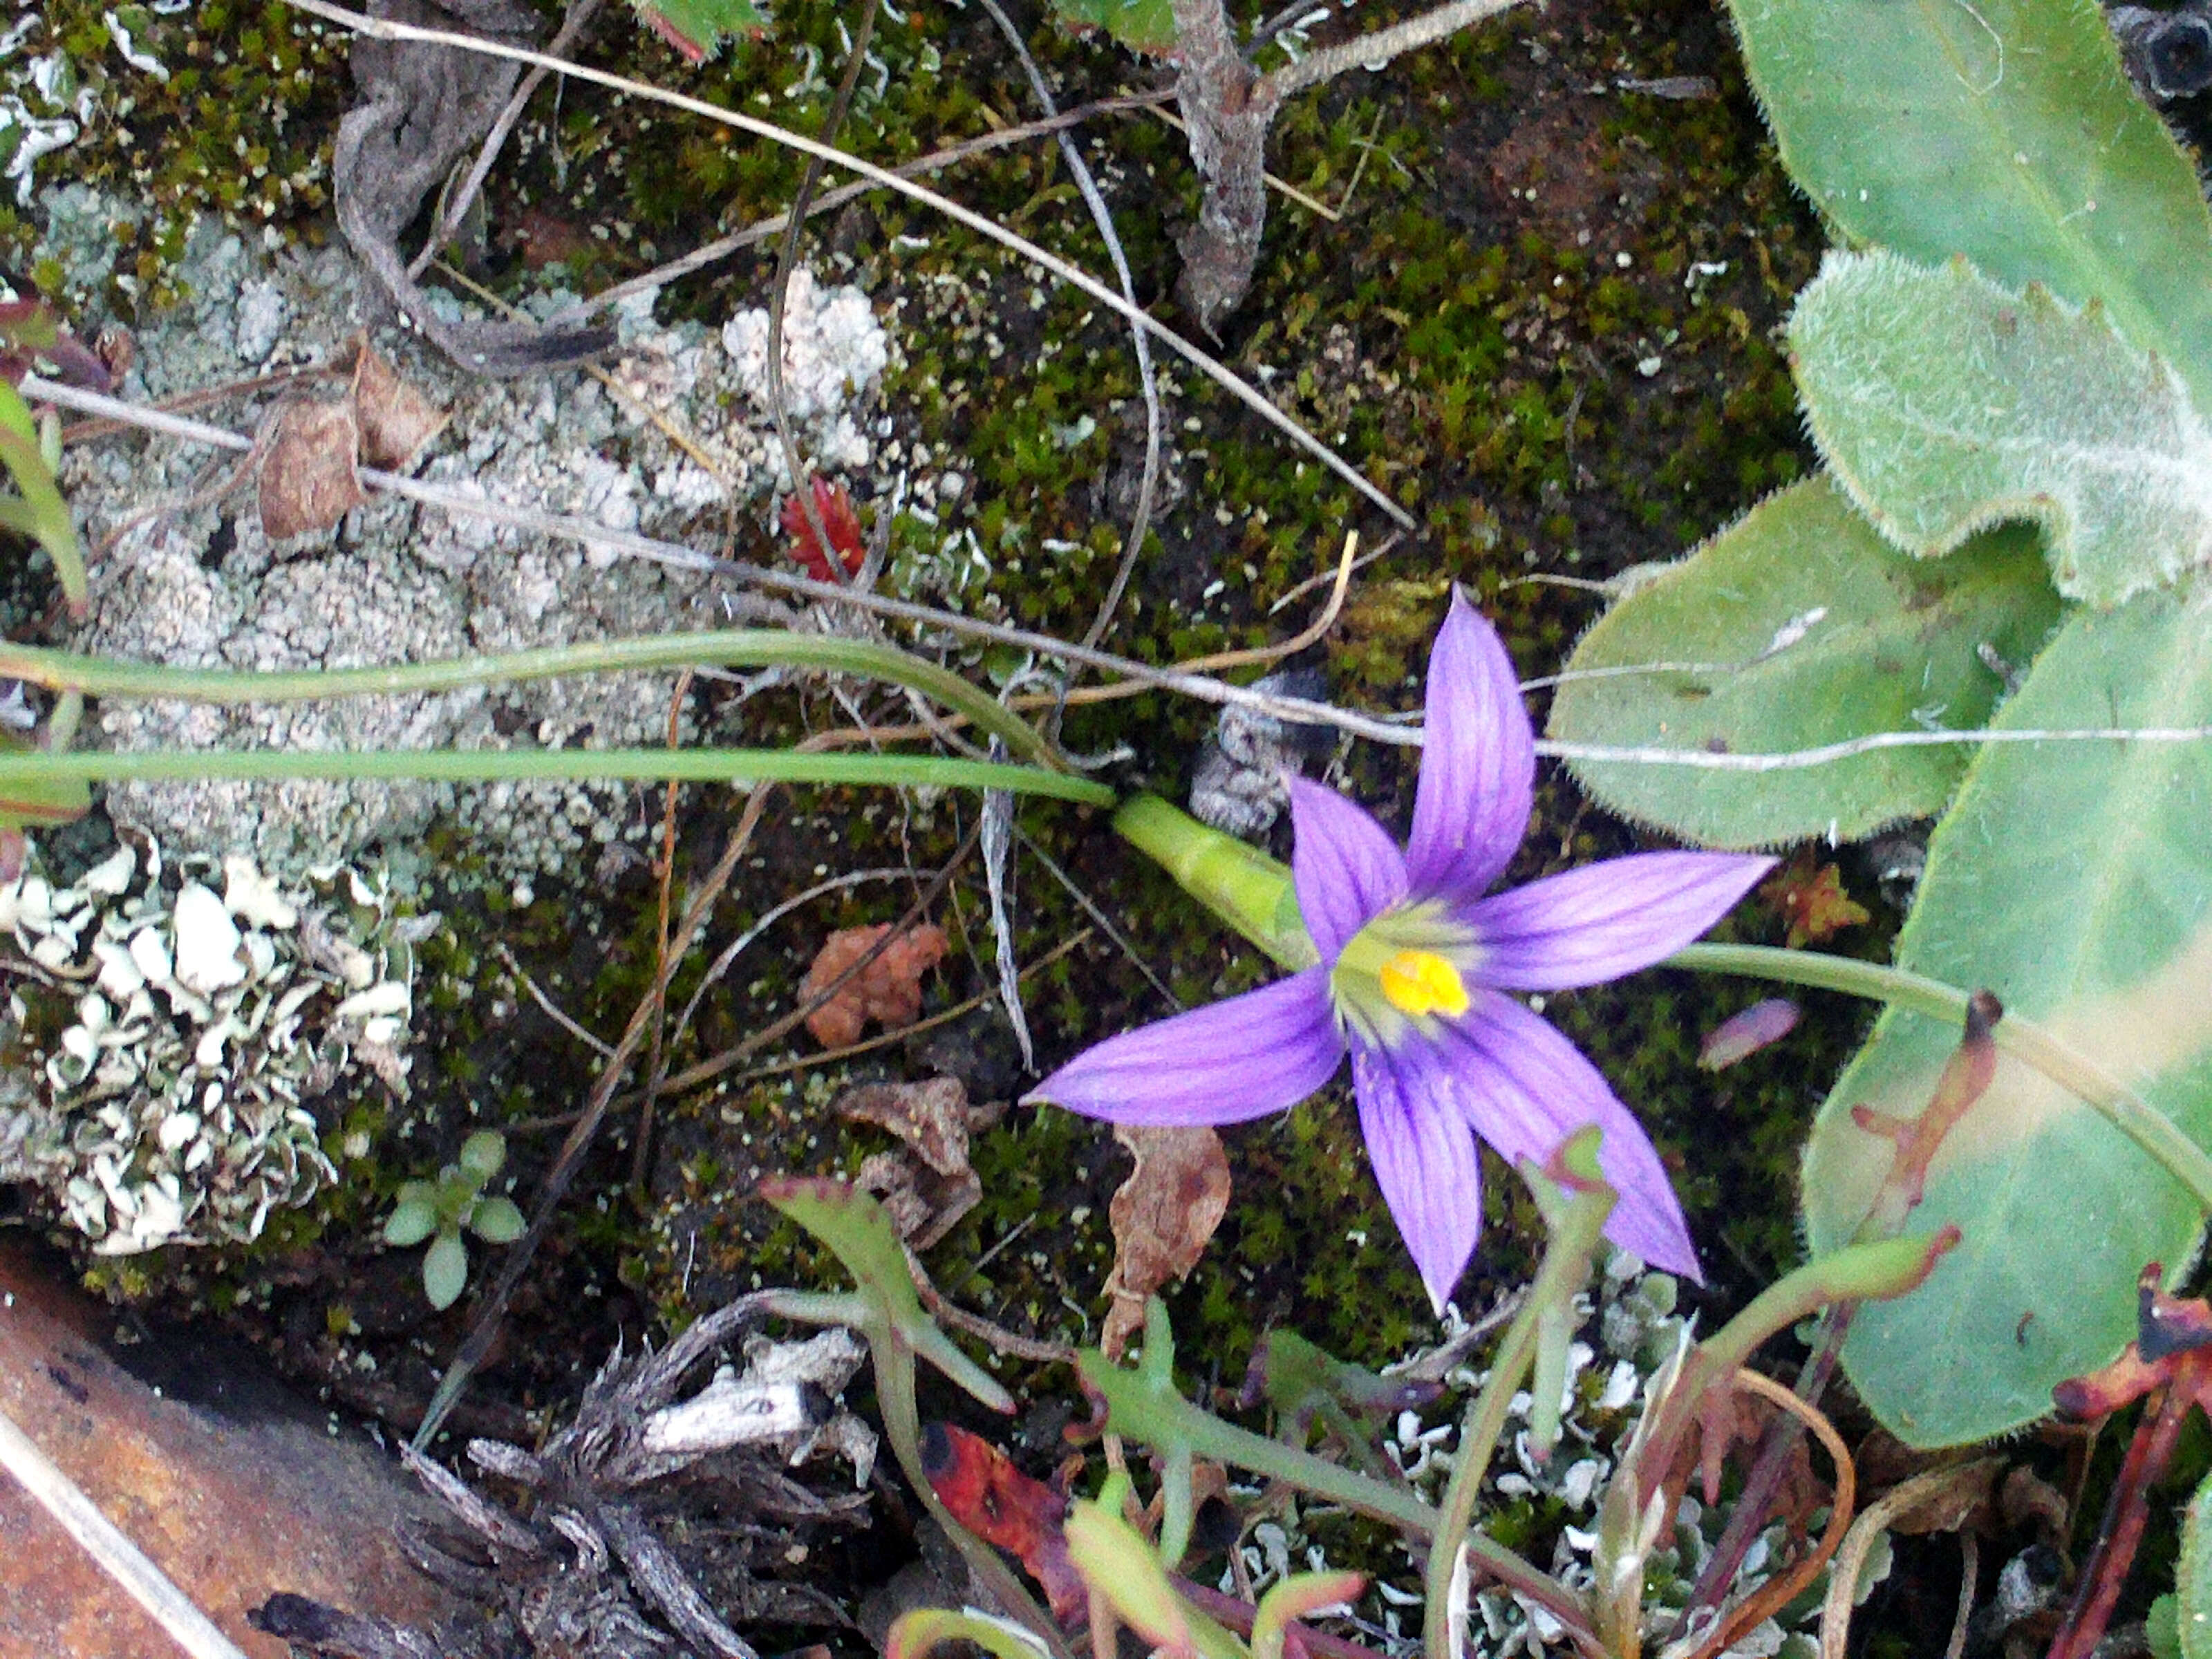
[1002, 1506]
[396, 419]
[1162, 1215]
[888, 990]
[927, 1187]
[690, 50]
[2170, 1361]
[1812, 901]
[839, 519]
[310, 476]
[32, 337]
[1743, 1035]
[1964, 1080]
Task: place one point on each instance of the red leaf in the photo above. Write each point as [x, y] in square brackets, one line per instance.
[1812, 900]
[691, 51]
[839, 519]
[1002, 1506]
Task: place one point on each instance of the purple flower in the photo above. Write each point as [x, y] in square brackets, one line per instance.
[1416, 966]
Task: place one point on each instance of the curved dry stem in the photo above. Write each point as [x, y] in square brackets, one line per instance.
[1211, 366]
[1778, 1593]
[1850, 1561]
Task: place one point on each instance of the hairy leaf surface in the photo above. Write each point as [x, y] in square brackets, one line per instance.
[2074, 880]
[1146, 26]
[1946, 403]
[1798, 626]
[2002, 129]
[695, 27]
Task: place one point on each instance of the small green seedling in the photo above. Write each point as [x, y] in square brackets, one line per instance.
[444, 1206]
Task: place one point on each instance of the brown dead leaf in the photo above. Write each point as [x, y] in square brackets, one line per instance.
[922, 1205]
[308, 478]
[930, 1117]
[927, 1186]
[1163, 1215]
[396, 419]
[888, 990]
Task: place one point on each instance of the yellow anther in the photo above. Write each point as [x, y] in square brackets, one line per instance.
[1422, 982]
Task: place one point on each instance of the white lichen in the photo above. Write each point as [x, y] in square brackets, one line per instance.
[679, 441]
[175, 1108]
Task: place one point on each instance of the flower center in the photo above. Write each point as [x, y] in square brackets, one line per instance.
[1407, 967]
[1422, 982]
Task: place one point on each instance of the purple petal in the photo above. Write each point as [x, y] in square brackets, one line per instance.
[1477, 762]
[1425, 1160]
[1525, 1088]
[1742, 1035]
[1244, 1057]
[1347, 868]
[1605, 920]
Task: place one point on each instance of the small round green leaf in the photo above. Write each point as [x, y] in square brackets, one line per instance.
[482, 1153]
[496, 1221]
[414, 1220]
[445, 1270]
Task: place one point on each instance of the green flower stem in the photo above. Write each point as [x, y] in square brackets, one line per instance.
[474, 765]
[1239, 883]
[747, 647]
[1876, 1271]
[1144, 1406]
[1577, 1224]
[2023, 1039]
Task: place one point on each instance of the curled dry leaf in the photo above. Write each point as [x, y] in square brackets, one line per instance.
[308, 478]
[928, 1187]
[888, 990]
[1163, 1215]
[310, 475]
[396, 419]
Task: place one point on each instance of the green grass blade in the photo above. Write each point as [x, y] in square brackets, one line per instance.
[25, 771]
[748, 647]
[46, 516]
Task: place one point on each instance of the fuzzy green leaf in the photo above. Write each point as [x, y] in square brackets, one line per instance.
[413, 1219]
[1946, 403]
[1146, 26]
[482, 1154]
[445, 1270]
[695, 27]
[2192, 1613]
[497, 1221]
[2005, 131]
[2073, 879]
[1887, 644]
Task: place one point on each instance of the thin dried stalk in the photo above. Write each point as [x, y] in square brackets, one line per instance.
[102, 1539]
